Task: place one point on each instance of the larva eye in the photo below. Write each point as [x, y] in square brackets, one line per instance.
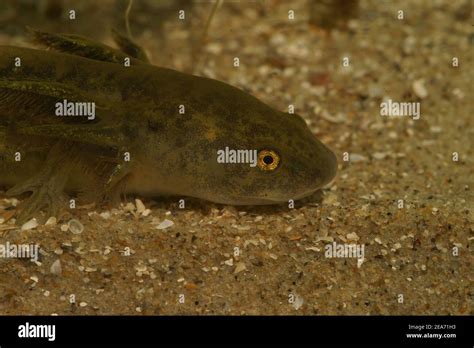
[268, 160]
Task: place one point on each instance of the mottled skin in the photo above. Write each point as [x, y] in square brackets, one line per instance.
[171, 153]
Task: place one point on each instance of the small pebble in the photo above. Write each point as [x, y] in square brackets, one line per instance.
[436, 129]
[75, 226]
[105, 215]
[392, 135]
[298, 302]
[141, 268]
[355, 157]
[56, 267]
[140, 206]
[379, 155]
[240, 267]
[29, 225]
[51, 221]
[458, 93]
[58, 251]
[165, 224]
[419, 89]
[333, 119]
[352, 236]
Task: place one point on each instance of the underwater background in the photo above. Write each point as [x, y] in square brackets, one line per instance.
[403, 189]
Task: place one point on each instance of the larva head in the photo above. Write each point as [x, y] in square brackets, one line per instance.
[231, 148]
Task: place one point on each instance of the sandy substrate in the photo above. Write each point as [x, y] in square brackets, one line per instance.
[401, 195]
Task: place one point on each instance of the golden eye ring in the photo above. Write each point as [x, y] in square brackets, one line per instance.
[268, 160]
